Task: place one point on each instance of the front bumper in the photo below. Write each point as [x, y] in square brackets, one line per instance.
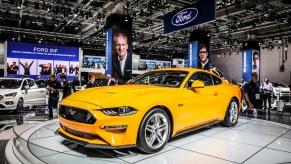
[8, 103]
[95, 135]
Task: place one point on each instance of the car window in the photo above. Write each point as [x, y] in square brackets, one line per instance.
[30, 82]
[216, 80]
[202, 76]
[164, 78]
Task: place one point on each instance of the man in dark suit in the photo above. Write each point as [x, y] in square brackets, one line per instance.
[203, 62]
[121, 65]
[91, 82]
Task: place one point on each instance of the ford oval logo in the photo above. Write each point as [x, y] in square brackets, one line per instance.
[184, 16]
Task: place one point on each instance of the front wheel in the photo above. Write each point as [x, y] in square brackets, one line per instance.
[154, 131]
[231, 115]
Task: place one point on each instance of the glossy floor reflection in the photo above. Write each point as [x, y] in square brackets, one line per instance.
[250, 141]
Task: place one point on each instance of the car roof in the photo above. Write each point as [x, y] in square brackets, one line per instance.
[191, 70]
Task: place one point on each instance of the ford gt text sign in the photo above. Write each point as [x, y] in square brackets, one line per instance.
[184, 16]
[149, 109]
[200, 12]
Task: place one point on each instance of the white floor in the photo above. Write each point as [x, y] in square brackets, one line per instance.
[250, 141]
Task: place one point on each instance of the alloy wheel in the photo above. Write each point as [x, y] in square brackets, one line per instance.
[233, 112]
[156, 131]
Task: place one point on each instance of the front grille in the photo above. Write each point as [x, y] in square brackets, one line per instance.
[77, 115]
[2, 106]
[81, 134]
[1, 97]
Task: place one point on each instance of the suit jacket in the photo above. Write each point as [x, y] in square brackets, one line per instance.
[90, 84]
[116, 72]
[206, 66]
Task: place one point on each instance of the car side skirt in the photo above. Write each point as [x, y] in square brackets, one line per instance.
[196, 128]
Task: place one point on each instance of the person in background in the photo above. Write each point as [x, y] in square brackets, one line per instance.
[40, 82]
[66, 87]
[56, 69]
[252, 94]
[77, 70]
[54, 86]
[76, 82]
[26, 67]
[71, 70]
[14, 68]
[109, 81]
[59, 69]
[243, 82]
[91, 82]
[267, 89]
[83, 81]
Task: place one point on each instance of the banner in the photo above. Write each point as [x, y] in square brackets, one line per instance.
[118, 57]
[247, 65]
[41, 60]
[200, 12]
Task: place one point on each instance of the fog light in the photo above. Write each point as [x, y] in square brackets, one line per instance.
[114, 127]
[9, 103]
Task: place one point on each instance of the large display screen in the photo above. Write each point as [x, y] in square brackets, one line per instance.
[153, 64]
[41, 60]
[97, 62]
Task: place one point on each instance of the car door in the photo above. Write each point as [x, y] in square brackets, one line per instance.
[35, 95]
[200, 103]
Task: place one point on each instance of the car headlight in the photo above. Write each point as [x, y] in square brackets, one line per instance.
[11, 94]
[119, 111]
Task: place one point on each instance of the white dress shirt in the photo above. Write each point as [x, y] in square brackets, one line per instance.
[122, 64]
[268, 88]
[203, 64]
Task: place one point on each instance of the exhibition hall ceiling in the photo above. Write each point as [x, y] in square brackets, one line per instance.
[81, 23]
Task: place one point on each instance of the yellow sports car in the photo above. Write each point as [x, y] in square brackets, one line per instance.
[149, 109]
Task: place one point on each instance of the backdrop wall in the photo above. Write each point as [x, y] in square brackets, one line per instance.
[231, 65]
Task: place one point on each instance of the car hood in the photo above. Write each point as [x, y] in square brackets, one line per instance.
[121, 95]
[5, 91]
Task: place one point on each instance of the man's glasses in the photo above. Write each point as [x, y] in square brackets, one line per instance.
[256, 58]
[203, 52]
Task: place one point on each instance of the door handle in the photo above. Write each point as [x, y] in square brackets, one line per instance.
[41, 91]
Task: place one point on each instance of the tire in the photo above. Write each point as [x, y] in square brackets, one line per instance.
[244, 105]
[19, 107]
[154, 131]
[231, 115]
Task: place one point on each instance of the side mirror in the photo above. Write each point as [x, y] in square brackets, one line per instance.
[197, 84]
[26, 87]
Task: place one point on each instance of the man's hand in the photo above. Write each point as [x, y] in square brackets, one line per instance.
[251, 105]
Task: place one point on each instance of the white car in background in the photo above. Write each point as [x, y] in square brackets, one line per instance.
[19, 93]
[281, 90]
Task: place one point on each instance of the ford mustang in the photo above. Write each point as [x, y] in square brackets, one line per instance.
[149, 109]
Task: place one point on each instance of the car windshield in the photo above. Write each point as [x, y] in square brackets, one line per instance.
[161, 78]
[279, 85]
[10, 83]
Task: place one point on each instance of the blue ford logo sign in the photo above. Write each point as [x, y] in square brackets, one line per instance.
[184, 16]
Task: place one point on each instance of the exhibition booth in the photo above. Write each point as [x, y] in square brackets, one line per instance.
[123, 104]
